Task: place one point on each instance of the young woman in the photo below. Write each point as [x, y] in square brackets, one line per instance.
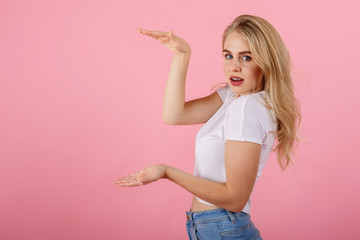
[242, 120]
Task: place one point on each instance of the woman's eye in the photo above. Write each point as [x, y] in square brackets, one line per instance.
[228, 56]
[246, 58]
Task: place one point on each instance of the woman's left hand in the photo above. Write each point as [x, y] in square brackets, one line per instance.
[142, 177]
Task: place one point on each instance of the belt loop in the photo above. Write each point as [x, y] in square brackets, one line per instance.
[190, 218]
[231, 216]
[189, 215]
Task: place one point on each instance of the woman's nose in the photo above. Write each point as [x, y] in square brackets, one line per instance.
[236, 65]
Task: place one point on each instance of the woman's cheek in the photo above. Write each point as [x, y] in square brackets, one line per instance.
[226, 67]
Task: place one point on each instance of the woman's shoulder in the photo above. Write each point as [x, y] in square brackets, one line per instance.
[253, 100]
[225, 92]
[253, 104]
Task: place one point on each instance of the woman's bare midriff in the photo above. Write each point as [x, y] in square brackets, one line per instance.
[197, 206]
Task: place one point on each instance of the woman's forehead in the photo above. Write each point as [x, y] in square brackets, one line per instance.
[235, 42]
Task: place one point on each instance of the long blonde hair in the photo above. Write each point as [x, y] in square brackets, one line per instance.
[271, 55]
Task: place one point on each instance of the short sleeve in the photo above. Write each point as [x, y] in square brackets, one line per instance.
[243, 123]
[223, 92]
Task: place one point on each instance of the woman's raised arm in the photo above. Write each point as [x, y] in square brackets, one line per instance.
[175, 109]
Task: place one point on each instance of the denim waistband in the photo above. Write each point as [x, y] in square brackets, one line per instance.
[215, 215]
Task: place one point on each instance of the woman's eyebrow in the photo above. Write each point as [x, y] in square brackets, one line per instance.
[244, 52]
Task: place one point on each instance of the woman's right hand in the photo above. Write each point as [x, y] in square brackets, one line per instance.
[169, 40]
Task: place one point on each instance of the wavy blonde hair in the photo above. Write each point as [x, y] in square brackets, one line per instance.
[271, 55]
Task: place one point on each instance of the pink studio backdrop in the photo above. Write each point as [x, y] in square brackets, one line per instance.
[80, 100]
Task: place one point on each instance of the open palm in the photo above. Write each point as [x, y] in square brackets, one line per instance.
[169, 40]
[142, 177]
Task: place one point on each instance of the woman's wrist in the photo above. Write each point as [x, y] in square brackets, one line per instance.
[183, 54]
[164, 168]
[182, 57]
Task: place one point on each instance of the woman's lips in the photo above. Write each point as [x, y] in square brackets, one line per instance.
[236, 81]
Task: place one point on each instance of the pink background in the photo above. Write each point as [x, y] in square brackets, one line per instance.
[80, 100]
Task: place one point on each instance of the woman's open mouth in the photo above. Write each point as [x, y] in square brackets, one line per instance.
[236, 81]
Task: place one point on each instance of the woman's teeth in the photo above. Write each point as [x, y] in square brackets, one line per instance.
[236, 79]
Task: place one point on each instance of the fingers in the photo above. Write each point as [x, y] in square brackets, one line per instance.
[153, 33]
[134, 180]
[128, 181]
[156, 34]
[127, 184]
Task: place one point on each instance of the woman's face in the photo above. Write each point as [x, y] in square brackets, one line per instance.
[242, 73]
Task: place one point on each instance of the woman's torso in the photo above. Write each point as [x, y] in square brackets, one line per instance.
[210, 146]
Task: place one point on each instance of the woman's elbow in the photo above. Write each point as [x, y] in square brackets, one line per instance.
[236, 209]
[236, 206]
[169, 120]
[172, 118]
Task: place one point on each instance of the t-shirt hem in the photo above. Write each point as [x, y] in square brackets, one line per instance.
[245, 210]
[244, 140]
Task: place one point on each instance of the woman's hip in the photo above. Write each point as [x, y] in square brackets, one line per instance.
[220, 224]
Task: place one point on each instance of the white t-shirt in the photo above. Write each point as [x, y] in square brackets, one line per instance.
[242, 119]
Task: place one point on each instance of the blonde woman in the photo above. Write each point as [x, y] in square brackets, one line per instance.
[242, 120]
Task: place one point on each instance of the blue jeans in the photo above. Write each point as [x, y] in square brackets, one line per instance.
[220, 224]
